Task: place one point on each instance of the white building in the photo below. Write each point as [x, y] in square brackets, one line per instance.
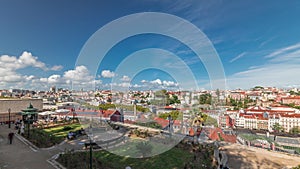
[289, 121]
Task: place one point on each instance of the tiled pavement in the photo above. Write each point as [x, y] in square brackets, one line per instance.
[19, 155]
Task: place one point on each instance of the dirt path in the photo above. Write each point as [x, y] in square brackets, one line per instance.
[241, 157]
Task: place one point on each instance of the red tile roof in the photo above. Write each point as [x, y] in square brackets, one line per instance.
[291, 115]
[213, 135]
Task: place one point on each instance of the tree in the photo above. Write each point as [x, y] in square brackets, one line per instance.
[205, 99]
[295, 130]
[277, 127]
[174, 114]
[173, 99]
[107, 106]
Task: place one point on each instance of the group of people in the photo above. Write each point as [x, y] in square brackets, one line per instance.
[72, 135]
[19, 125]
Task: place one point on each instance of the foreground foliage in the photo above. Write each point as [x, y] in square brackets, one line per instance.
[181, 156]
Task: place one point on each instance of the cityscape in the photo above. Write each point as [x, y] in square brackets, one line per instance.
[149, 84]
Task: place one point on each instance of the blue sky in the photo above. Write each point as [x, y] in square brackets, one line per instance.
[257, 42]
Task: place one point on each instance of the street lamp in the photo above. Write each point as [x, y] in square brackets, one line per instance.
[73, 109]
[90, 135]
[170, 119]
[8, 117]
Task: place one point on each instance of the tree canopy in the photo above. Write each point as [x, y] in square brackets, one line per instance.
[174, 114]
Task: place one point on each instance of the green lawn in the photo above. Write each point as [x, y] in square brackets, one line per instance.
[297, 149]
[61, 131]
[252, 137]
[129, 148]
[44, 138]
[175, 158]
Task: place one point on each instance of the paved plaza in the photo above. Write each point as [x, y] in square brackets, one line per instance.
[21, 156]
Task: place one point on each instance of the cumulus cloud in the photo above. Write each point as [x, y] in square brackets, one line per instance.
[56, 68]
[170, 83]
[125, 79]
[26, 59]
[28, 78]
[125, 84]
[79, 74]
[54, 79]
[107, 74]
[136, 86]
[10, 69]
[157, 82]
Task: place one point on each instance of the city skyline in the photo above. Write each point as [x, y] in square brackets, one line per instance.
[256, 42]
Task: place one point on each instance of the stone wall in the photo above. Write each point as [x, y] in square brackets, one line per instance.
[16, 106]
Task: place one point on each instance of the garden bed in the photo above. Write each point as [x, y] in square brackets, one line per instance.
[44, 138]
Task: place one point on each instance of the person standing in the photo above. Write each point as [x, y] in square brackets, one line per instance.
[22, 130]
[10, 137]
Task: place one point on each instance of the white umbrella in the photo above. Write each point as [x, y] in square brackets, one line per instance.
[42, 113]
[45, 113]
[62, 111]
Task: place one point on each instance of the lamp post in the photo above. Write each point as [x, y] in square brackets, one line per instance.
[73, 114]
[90, 135]
[170, 119]
[8, 117]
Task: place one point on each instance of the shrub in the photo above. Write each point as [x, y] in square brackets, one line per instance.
[66, 128]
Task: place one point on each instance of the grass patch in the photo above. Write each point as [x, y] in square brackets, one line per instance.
[130, 148]
[297, 149]
[44, 138]
[252, 137]
[174, 158]
[186, 156]
[62, 131]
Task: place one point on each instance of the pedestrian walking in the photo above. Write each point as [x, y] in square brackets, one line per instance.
[10, 137]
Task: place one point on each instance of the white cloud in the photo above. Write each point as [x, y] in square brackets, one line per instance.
[44, 80]
[278, 75]
[10, 69]
[56, 67]
[125, 79]
[26, 59]
[28, 78]
[54, 79]
[107, 74]
[12, 78]
[283, 50]
[79, 74]
[125, 84]
[238, 57]
[136, 86]
[280, 70]
[170, 84]
[156, 82]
